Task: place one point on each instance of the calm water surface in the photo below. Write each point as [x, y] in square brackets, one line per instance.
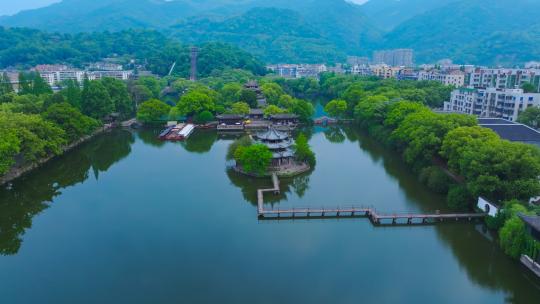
[128, 219]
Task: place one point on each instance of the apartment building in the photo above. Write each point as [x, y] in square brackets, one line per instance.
[503, 78]
[491, 102]
[397, 57]
[298, 70]
[385, 71]
[454, 78]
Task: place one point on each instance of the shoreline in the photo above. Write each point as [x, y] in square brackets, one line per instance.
[17, 172]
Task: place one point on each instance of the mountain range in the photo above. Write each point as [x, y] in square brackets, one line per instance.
[472, 31]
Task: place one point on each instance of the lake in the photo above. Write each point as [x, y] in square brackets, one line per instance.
[126, 218]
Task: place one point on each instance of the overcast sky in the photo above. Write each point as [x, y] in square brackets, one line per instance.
[10, 7]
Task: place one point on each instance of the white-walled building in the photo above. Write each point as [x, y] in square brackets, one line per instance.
[385, 71]
[491, 102]
[298, 70]
[503, 78]
[450, 78]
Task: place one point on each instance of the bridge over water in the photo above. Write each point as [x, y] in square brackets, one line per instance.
[353, 212]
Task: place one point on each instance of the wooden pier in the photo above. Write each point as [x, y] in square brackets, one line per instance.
[353, 212]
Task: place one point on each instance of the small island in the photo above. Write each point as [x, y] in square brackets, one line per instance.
[272, 151]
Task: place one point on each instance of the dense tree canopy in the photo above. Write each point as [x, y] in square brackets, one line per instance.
[152, 111]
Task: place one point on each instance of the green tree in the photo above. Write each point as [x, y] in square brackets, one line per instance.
[204, 117]
[302, 150]
[459, 198]
[272, 91]
[273, 110]
[254, 158]
[73, 122]
[195, 102]
[95, 101]
[304, 109]
[240, 108]
[529, 88]
[249, 97]
[152, 111]
[119, 94]
[336, 108]
[243, 141]
[10, 146]
[530, 117]
[38, 138]
[231, 92]
[72, 93]
[513, 237]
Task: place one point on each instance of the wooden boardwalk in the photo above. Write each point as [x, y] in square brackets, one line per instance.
[353, 212]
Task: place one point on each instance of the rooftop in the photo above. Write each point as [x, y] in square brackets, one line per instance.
[272, 134]
[230, 117]
[511, 131]
[284, 116]
[531, 220]
[256, 112]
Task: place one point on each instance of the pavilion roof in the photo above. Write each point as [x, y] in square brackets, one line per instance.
[272, 134]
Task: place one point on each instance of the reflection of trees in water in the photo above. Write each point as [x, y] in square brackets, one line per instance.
[334, 135]
[488, 266]
[483, 260]
[150, 137]
[249, 185]
[201, 141]
[31, 194]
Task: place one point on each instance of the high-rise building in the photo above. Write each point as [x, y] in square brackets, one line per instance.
[397, 57]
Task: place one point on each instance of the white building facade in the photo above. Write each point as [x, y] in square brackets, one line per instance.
[452, 78]
[491, 102]
[503, 78]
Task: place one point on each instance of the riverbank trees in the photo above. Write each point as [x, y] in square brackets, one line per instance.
[451, 154]
[36, 123]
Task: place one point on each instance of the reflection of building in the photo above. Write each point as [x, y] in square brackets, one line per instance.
[279, 143]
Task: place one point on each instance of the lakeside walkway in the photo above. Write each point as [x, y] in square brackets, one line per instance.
[353, 212]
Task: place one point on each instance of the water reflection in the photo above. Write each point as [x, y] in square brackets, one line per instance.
[249, 185]
[33, 193]
[480, 258]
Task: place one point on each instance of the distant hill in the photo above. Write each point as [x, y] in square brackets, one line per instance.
[299, 30]
[387, 14]
[272, 34]
[473, 31]
[495, 32]
[24, 48]
[113, 15]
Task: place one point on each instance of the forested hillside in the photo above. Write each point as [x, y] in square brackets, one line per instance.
[473, 31]
[497, 32]
[25, 48]
[387, 14]
[274, 35]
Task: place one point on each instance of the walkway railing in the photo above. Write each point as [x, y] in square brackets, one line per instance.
[352, 212]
